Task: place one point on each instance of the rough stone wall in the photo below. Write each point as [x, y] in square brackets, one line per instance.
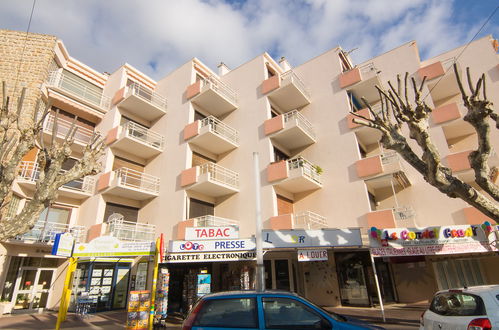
[24, 62]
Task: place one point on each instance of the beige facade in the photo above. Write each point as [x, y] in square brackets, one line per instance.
[180, 155]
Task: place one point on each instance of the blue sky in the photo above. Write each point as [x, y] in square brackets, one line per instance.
[157, 36]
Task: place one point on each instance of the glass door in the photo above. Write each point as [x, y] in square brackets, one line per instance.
[280, 275]
[121, 286]
[32, 288]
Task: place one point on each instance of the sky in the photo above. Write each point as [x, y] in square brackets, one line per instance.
[156, 36]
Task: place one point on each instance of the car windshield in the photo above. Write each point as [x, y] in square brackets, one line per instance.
[458, 304]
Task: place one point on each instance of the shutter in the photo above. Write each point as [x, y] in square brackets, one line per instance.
[198, 159]
[122, 162]
[199, 208]
[284, 205]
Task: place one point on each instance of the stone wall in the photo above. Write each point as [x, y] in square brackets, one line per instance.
[24, 62]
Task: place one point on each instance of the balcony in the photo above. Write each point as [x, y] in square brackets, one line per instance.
[448, 112]
[144, 142]
[391, 218]
[82, 137]
[131, 231]
[291, 130]
[295, 175]
[303, 220]
[213, 96]
[361, 80]
[71, 87]
[287, 91]
[381, 165]
[29, 173]
[212, 135]
[446, 85]
[45, 231]
[210, 179]
[141, 101]
[460, 165]
[128, 183]
[203, 221]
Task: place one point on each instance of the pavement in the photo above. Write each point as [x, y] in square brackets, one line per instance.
[398, 316]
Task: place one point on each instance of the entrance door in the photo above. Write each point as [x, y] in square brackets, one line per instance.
[32, 288]
[279, 275]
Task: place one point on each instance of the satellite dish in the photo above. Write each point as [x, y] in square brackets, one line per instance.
[115, 217]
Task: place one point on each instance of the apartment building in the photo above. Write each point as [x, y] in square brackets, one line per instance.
[180, 161]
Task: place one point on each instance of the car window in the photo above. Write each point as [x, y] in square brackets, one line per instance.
[457, 304]
[287, 313]
[227, 313]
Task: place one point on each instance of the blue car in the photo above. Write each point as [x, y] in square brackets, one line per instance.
[264, 310]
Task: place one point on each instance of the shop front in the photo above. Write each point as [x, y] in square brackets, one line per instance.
[425, 260]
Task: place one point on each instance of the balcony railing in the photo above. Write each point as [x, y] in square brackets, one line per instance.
[144, 135]
[134, 179]
[213, 221]
[218, 86]
[447, 63]
[131, 231]
[403, 213]
[83, 134]
[309, 220]
[389, 158]
[308, 169]
[75, 87]
[45, 231]
[147, 95]
[218, 127]
[301, 121]
[30, 171]
[220, 174]
[296, 81]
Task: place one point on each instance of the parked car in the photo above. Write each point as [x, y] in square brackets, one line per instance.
[473, 308]
[264, 310]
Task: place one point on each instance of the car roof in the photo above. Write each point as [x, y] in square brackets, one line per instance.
[249, 293]
[479, 289]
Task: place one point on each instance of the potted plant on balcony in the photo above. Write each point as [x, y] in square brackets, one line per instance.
[318, 169]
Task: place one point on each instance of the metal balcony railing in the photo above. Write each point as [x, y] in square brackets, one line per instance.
[213, 221]
[147, 95]
[309, 220]
[220, 87]
[219, 128]
[308, 169]
[134, 179]
[45, 231]
[296, 81]
[83, 134]
[131, 231]
[75, 87]
[389, 158]
[220, 174]
[301, 121]
[368, 69]
[30, 171]
[403, 213]
[144, 135]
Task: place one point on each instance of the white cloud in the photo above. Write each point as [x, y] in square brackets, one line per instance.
[156, 36]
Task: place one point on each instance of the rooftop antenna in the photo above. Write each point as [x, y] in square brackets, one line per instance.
[350, 51]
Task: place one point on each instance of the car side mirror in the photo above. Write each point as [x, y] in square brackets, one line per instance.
[323, 324]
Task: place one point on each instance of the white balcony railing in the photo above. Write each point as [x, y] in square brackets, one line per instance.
[147, 95]
[368, 69]
[403, 213]
[30, 171]
[296, 81]
[83, 134]
[131, 231]
[144, 135]
[45, 231]
[134, 179]
[220, 87]
[219, 128]
[75, 87]
[309, 220]
[389, 158]
[308, 169]
[300, 120]
[213, 221]
[220, 174]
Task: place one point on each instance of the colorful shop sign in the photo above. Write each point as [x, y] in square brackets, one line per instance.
[63, 245]
[108, 246]
[203, 233]
[212, 245]
[210, 257]
[312, 255]
[430, 240]
[311, 238]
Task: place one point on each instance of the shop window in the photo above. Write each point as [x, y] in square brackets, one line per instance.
[199, 208]
[129, 213]
[10, 279]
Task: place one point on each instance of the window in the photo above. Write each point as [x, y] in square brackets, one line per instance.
[120, 162]
[279, 155]
[129, 213]
[273, 112]
[458, 304]
[199, 208]
[198, 116]
[354, 102]
[81, 87]
[13, 207]
[287, 313]
[270, 71]
[227, 313]
[55, 214]
[198, 159]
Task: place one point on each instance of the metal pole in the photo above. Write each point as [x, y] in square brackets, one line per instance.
[260, 270]
[154, 283]
[377, 287]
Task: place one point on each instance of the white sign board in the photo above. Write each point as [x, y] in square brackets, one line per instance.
[210, 257]
[63, 245]
[202, 233]
[218, 245]
[311, 238]
[108, 246]
[312, 255]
